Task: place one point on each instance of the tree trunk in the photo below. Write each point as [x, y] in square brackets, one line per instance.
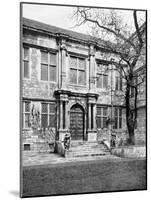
[129, 116]
[131, 139]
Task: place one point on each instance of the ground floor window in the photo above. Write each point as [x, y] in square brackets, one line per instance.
[48, 115]
[101, 117]
[117, 118]
[26, 114]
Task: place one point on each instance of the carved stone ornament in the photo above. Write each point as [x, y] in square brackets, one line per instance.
[91, 51]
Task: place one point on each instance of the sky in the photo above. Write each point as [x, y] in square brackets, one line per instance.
[62, 16]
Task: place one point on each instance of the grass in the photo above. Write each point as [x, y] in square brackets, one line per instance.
[84, 177]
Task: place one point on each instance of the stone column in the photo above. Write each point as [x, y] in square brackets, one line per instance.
[89, 116]
[66, 115]
[63, 64]
[91, 132]
[92, 75]
[59, 67]
[94, 116]
[61, 115]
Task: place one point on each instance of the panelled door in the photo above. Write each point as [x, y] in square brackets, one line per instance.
[77, 123]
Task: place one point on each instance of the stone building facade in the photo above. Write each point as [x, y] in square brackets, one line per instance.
[67, 79]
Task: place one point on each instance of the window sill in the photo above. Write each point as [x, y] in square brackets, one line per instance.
[75, 85]
[103, 129]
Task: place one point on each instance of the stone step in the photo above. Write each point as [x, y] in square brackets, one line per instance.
[89, 149]
[78, 149]
[98, 146]
[72, 154]
[84, 143]
[88, 146]
[89, 152]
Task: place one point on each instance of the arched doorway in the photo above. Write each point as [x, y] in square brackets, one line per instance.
[77, 122]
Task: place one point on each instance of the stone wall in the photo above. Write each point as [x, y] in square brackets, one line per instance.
[140, 132]
[130, 152]
[35, 89]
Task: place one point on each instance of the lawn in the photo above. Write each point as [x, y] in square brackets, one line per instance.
[84, 177]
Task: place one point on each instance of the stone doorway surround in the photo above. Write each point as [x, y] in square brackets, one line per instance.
[65, 101]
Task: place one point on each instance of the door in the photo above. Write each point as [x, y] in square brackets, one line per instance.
[77, 122]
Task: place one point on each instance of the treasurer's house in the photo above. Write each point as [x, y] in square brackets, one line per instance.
[66, 88]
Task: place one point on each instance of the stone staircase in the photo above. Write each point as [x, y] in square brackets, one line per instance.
[81, 149]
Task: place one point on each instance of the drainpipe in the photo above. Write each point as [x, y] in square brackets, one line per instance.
[112, 87]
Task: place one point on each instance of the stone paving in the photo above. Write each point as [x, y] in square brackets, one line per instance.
[32, 158]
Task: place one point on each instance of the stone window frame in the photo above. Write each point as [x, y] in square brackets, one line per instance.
[118, 81]
[102, 116]
[118, 117]
[77, 57]
[103, 74]
[25, 112]
[26, 60]
[49, 52]
[49, 113]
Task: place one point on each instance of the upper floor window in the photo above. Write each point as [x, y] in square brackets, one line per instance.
[77, 71]
[26, 62]
[48, 66]
[48, 115]
[118, 81]
[26, 114]
[101, 117]
[118, 118]
[102, 76]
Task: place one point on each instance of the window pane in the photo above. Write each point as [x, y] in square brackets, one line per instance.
[27, 120]
[104, 111]
[99, 68]
[120, 122]
[115, 112]
[120, 112]
[73, 76]
[26, 54]
[120, 83]
[98, 110]
[27, 107]
[81, 78]
[51, 108]
[44, 57]
[116, 122]
[52, 73]
[44, 108]
[44, 72]
[105, 81]
[73, 62]
[104, 122]
[99, 81]
[116, 83]
[53, 59]
[44, 120]
[81, 63]
[98, 121]
[26, 69]
[52, 120]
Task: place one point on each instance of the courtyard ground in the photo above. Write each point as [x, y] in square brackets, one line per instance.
[82, 175]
